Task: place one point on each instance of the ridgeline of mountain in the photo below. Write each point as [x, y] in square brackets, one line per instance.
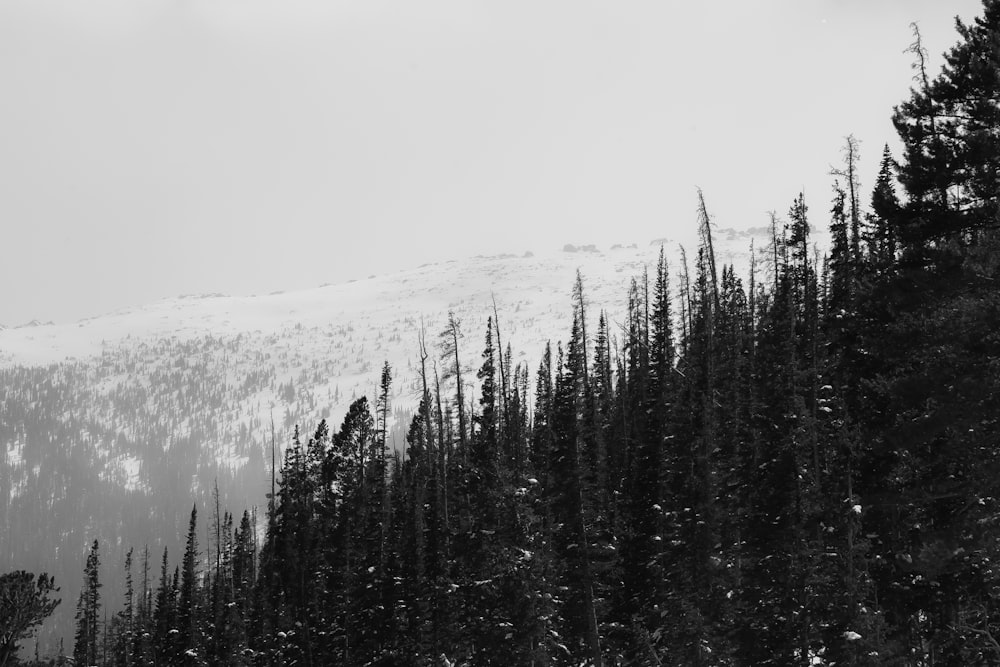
[112, 424]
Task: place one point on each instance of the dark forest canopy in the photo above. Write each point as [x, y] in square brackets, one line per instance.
[801, 470]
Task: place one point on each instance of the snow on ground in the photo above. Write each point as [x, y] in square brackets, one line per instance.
[532, 294]
[124, 471]
[330, 342]
[14, 453]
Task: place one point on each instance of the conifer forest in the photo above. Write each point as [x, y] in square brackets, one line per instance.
[798, 466]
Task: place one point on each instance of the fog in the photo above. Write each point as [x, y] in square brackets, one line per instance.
[152, 148]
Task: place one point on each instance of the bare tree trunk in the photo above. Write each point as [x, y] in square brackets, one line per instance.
[753, 292]
[774, 247]
[271, 501]
[504, 416]
[450, 337]
[581, 306]
[917, 49]
[218, 529]
[686, 316]
[442, 455]
[705, 228]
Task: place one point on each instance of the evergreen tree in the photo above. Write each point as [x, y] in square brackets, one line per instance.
[951, 147]
[24, 604]
[124, 620]
[449, 339]
[928, 326]
[142, 646]
[885, 210]
[565, 492]
[188, 602]
[165, 619]
[85, 647]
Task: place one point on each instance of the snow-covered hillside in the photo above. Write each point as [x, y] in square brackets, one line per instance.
[357, 325]
[530, 291]
[322, 347]
[112, 425]
[531, 286]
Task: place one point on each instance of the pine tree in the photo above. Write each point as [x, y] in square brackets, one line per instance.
[125, 619]
[24, 605]
[885, 209]
[566, 498]
[165, 618]
[244, 573]
[951, 148]
[142, 647]
[541, 430]
[449, 339]
[85, 647]
[188, 603]
[928, 327]
[484, 460]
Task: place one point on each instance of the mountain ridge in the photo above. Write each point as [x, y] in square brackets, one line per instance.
[114, 423]
[26, 344]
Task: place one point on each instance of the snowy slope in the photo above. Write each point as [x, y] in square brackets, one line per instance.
[110, 426]
[531, 292]
[348, 329]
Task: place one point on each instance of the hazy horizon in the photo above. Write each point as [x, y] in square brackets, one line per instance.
[155, 148]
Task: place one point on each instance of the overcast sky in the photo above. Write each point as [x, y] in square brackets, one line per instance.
[152, 148]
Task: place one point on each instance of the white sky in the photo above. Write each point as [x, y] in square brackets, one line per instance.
[150, 148]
